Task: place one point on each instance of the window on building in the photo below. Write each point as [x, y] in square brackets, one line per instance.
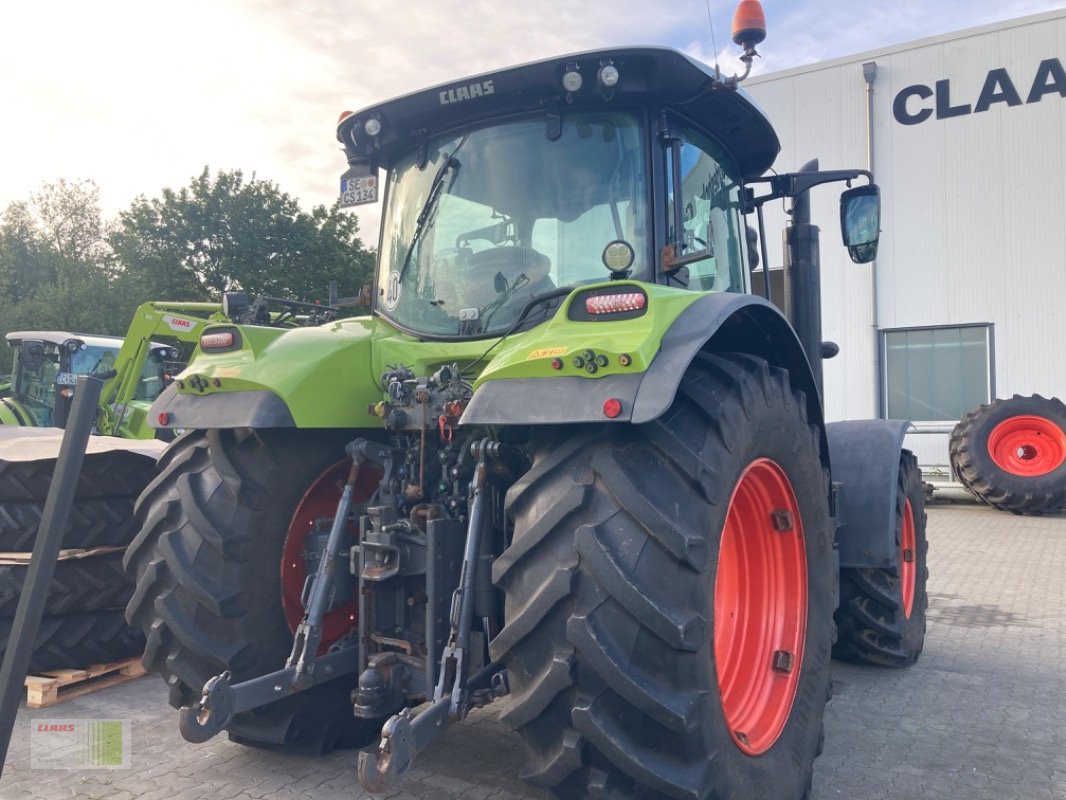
[937, 373]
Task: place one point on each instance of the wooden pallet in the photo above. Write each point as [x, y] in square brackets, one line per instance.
[55, 686]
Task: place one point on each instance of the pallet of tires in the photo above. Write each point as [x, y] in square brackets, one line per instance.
[84, 621]
[1012, 454]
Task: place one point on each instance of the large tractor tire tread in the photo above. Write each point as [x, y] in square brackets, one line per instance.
[74, 641]
[114, 474]
[991, 482]
[94, 583]
[207, 574]
[872, 627]
[608, 651]
[93, 522]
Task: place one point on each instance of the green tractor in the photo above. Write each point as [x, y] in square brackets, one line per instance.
[569, 464]
[135, 369]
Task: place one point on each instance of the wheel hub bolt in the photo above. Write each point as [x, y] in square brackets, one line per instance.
[782, 519]
[783, 661]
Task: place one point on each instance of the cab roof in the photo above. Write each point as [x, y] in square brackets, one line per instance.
[652, 77]
[15, 338]
[59, 337]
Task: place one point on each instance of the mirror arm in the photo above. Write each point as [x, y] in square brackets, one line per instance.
[795, 183]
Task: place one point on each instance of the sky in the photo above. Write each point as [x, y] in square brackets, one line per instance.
[139, 96]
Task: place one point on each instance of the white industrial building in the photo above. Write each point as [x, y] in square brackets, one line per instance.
[966, 135]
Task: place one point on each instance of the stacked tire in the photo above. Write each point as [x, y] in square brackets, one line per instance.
[1012, 454]
[83, 620]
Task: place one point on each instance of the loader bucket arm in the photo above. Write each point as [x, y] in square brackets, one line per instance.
[181, 321]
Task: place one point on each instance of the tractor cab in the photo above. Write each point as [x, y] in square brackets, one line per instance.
[502, 188]
[47, 365]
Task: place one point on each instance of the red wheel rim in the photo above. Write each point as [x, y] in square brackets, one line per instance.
[1028, 446]
[760, 607]
[908, 559]
[320, 502]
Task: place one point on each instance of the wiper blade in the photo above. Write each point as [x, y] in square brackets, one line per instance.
[450, 163]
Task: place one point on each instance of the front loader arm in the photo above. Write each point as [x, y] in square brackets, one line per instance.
[181, 321]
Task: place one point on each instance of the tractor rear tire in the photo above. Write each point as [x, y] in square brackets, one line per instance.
[1012, 454]
[625, 549]
[207, 566]
[93, 583]
[882, 615]
[72, 641]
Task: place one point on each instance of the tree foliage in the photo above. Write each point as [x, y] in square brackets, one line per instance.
[223, 233]
[64, 267]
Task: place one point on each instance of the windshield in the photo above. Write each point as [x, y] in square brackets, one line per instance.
[499, 215]
[93, 359]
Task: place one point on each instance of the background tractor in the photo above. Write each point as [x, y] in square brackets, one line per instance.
[569, 463]
[48, 363]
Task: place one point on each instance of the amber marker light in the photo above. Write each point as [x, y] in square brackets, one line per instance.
[749, 23]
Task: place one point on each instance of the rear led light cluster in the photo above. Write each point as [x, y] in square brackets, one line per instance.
[615, 303]
[215, 341]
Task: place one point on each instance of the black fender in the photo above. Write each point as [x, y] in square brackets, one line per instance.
[722, 322]
[865, 456]
[256, 409]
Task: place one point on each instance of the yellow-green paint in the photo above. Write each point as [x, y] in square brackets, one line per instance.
[329, 375]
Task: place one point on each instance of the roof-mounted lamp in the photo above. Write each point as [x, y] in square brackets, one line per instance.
[749, 29]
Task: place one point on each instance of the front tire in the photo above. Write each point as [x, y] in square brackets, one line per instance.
[627, 542]
[881, 618]
[207, 562]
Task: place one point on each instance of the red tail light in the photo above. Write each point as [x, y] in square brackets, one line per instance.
[615, 303]
[216, 341]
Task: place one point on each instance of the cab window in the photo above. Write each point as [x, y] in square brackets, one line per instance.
[710, 245]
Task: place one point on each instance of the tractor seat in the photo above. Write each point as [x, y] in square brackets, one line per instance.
[512, 261]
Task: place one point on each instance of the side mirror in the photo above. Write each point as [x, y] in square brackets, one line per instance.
[860, 222]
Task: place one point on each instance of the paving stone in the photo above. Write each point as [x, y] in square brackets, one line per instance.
[980, 715]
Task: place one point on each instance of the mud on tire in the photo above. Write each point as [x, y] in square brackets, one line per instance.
[610, 587]
[882, 615]
[207, 567]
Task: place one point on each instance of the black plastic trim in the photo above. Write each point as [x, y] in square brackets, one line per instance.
[257, 409]
[547, 401]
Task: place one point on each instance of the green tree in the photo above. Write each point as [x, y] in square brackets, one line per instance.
[223, 233]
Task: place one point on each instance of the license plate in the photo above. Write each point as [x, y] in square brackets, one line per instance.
[359, 191]
[67, 379]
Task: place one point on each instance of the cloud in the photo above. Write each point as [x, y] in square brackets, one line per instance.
[139, 96]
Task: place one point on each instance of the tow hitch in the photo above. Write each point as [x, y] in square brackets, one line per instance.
[405, 735]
